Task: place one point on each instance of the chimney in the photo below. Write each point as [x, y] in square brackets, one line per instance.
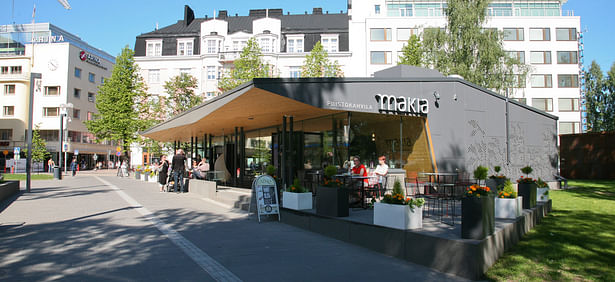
[188, 15]
[222, 14]
[317, 11]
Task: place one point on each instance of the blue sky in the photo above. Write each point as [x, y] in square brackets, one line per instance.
[110, 25]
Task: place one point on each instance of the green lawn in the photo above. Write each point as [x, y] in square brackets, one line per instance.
[575, 242]
[22, 176]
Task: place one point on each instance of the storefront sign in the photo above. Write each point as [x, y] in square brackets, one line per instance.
[264, 188]
[348, 106]
[87, 57]
[47, 39]
[402, 105]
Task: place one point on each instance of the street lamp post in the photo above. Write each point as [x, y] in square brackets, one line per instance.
[63, 112]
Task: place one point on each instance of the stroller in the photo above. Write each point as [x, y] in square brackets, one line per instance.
[171, 182]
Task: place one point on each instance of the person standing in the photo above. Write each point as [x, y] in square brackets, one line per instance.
[73, 166]
[163, 172]
[178, 167]
[50, 164]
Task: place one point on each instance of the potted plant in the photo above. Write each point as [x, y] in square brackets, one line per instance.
[495, 181]
[527, 188]
[297, 198]
[399, 212]
[138, 173]
[477, 212]
[271, 170]
[507, 204]
[480, 173]
[331, 197]
[145, 174]
[152, 176]
[542, 191]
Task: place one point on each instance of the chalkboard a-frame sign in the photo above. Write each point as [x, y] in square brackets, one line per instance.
[265, 191]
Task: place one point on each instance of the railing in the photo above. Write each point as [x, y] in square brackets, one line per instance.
[15, 77]
[228, 56]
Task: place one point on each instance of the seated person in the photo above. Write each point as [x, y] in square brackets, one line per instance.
[199, 171]
[382, 169]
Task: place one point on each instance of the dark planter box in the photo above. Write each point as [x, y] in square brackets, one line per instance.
[332, 201]
[477, 217]
[8, 188]
[528, 191]
[493, 183]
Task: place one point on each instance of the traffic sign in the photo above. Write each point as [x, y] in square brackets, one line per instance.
[16, 151]
[118, 154]
[76, 152]
[118, 149]
[5, 152]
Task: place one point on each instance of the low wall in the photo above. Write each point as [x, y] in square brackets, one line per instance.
[8, 189]
[465, 258]
[204, 188]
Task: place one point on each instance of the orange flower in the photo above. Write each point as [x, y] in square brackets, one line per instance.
[469, 192]
[487, 189]
[473, 189]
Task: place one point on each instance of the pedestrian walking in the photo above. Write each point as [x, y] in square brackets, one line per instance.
[124, 168]
[178, 167]
[50, 164]
[73, 166]
[163, 173]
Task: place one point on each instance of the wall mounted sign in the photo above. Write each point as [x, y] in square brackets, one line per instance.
[89, 58]
[402, 105]
[47, 39]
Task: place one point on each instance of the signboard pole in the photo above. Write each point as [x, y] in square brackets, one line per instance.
[265, 196]
[35, 85]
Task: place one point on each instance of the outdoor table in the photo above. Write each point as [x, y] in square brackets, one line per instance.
[353, 179]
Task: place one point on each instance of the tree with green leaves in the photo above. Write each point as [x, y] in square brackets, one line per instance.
[249, 65]
[317, 64]
[600, 97]
[412, 52]
[119, 103]
[181, 94]
[466, 48]
[39, 146]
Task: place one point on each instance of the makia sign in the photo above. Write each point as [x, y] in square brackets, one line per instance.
[402, 105]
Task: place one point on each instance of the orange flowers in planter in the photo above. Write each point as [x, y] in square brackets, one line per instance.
[477, 191]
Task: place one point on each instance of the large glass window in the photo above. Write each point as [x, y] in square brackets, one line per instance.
[540, 34]
[567, 80]
[537, 9]
[545, 104]
[381, 58]
[540, 57]
[399, 10]
[500, 10]
[6, 134]
[565, 34]
[519, 55]
[403, 34]
[568, 104]
[566, 127]
[542, 81]
[380, 34]
[567, 57]
[153, 48]
[513, 34]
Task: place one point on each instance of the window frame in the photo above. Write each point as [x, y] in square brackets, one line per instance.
[574, 83]
[16, 69]
[548, 83]
[155, 50]
[92, 77]
[8, 132]
[520, 55]
[76, 113]
[546, 104]
[5, 111]
[77, 93]
[214, 72]
[574, 102]
[575, 126]
[77, 72]
[91, 97]
[413, 31]
[545, 36]
[7, 87]
[298, 43]
[574, 34]
[386, 30]
[328, 47]
[46, 93]
[388, 57]
[576, 57]
[46, 111]
[150, 72]
[519, 35]
[187, 45]
[546, 60]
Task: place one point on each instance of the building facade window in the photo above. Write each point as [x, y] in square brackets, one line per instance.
[6, 134]
[500, 10]
[377, 9]
[294, 72]
[380, 34]
[567, 57]
[52, 90]
[513, 34]
[381, 58]
[403, 34]
[185, 47]
[153, 48]
[567, 80]
[542, 81]
[92, 78]
[91, 97]
[153, 76]
[568, 104]
[540, 34]
[295, 45]
[8, 111]
[266, 43]
[566, 127]
[102, 80]
[77, 93]
[184, 71]
[78, 72]
[51, 111]
[566, 34]
[329, 43]
[238, 45]
[540, 57]
[521, 100]
[518, 81]
[519, 55]
[9, 89]
[211, 72]
[399, 9]
[90, 116]
[15, 69]
[212, 46]
[4, 70]
[545, 104]
[77, 113]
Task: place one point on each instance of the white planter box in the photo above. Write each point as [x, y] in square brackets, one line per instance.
[398, 216]
[142, 177]
[153, 179]
[508, 208]
[540, 194]
[297, 201]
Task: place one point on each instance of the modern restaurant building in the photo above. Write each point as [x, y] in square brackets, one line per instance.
[420, 120]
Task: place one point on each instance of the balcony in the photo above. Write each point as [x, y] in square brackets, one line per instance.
[228, 56]
[15, 77]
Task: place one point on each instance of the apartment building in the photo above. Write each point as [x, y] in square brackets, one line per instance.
[71, 71]
[539, 33]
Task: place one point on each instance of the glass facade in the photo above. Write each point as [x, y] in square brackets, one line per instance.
[418, 8]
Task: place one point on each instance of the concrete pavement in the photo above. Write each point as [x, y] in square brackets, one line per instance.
[96, 226]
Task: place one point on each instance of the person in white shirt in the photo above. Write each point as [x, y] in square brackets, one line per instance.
[381, 170]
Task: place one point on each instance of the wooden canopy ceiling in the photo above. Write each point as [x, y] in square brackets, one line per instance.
[251, 108]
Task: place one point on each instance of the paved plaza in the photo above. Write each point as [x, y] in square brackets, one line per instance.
[96, 226]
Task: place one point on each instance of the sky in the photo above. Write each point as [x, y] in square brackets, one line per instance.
[110, 25]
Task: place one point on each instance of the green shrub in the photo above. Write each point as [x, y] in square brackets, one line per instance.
[296, 187]
[527, 170]
[507, 191]
[480, 173]
[330, 171]
[397, 189]
[271, 170]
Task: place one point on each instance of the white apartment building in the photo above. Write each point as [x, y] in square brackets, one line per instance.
[539, 33]
[207, 47]
[71, 71]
